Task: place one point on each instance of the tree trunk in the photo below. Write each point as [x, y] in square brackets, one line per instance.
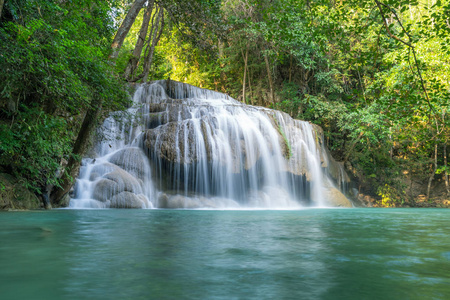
[80, 147]
[1, 7]
[411, 194]
[352, 146]
[250, 85]
[220, 47]
[125, 27]
[433, 170]
[245, 73]
[159, 25]
[133, 62]
[269, 75]
[445, 170]
[290, 69]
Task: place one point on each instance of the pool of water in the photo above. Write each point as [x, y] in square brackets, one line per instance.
[204, 254]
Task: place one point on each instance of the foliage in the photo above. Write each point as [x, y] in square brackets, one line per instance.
[375, 78]
[54, 61]
[34, 147]
[389, 196]
[373, 73]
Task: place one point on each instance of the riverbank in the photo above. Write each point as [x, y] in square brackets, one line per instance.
[14, 196]
[419, 202]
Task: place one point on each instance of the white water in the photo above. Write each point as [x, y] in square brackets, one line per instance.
[202, 149]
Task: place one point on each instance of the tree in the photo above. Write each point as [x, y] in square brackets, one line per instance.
[154, 37]
[56, 68]
[1, 6]
[125, 27]
[133, 61]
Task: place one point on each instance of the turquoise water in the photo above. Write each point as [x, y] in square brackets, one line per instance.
[185, 254]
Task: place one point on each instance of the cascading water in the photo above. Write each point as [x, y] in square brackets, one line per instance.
[181, 146]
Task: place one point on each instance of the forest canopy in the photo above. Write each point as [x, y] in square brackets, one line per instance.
[374, 74]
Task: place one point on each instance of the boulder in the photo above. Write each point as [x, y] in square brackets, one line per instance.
[65, 201]
[333, 197]
[102, 169]
[128, 200]
[179, 201]
[163, 200]
[125, 181]
[132, 160]
[104, 190]
[93, 176]
[182, 201]
[114, 183]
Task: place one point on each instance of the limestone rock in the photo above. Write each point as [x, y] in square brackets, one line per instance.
[65, 201]
[179, 201]
[163, 200]
[128, 200]
[114, 183]
[182, 201]
[131, 160]
[337, 171]
[125, 181]
[187, 138]
[102, 169]
[104, 190]
[335, 198]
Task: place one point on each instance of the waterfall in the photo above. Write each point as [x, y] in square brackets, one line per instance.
[180, 146]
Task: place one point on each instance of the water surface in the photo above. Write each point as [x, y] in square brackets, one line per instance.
[202, 254]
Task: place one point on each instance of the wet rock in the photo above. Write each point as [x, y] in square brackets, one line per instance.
[186, 202]
[335, 198]
[337, 171]
[153, 120]
[114, 183]
[187, 140]
[175, 143]
[93, 176]
[128, 200]
[65, 201]
[125, 181]
[179, 201]
[104, 190]
[104, 168]
[163, 200]
[366, 200]
[131, 160]
[156, 107]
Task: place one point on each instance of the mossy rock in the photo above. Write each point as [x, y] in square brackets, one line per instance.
[14, 196]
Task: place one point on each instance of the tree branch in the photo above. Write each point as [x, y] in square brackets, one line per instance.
[409, 44]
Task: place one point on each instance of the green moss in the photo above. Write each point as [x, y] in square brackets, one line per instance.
[286, 141]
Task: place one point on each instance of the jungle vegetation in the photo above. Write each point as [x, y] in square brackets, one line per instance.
[374, 74]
